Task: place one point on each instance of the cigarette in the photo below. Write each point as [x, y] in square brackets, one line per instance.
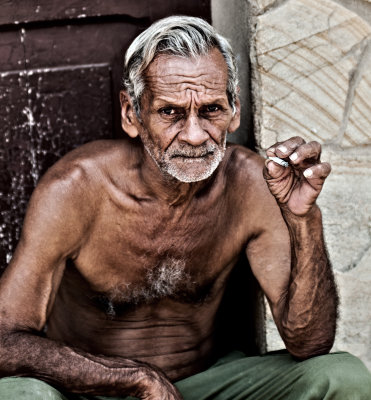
[279, 161]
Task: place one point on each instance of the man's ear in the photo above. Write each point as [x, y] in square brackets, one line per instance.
[235, 121]
[129, 120]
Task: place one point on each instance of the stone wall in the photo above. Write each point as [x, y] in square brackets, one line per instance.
[311, 76]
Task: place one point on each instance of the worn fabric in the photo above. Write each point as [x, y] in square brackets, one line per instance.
[236, 377]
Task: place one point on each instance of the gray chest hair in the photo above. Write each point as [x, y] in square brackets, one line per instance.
[169, 279]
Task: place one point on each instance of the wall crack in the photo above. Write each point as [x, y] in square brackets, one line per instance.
[355, 77]
[273, 6]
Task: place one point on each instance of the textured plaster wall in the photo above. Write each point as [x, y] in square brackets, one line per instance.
[311, 76]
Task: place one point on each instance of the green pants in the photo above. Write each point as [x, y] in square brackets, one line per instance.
[236, 377]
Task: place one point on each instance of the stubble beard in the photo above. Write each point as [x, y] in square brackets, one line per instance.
[185, 162]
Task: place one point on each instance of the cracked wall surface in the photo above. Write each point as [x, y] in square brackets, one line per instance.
[311, 76]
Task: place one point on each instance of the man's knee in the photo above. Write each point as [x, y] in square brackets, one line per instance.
[336, 375]
[15, 388]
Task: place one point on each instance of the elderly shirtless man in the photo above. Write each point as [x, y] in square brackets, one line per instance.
[127, 247]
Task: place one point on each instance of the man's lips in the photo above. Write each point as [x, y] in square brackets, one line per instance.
[193, 156]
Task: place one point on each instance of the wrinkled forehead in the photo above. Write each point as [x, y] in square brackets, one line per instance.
[175, 76]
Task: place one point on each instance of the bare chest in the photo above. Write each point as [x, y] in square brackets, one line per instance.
[148, 253]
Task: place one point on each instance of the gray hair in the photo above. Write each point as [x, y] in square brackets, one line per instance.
[180, 36]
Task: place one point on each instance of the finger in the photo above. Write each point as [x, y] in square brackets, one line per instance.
[316, 174]
[285, 148]
[305, 155]
[274, 170]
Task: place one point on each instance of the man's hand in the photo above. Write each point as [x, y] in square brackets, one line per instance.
[159, 392]
[157, 387]
[297, 186]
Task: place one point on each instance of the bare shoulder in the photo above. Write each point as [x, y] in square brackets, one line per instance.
[89, 160]
[85, 168]
[244, 167]
[244, 171]
[70, 192]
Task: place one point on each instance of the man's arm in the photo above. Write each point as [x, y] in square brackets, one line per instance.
[57, 222]
[289, 257]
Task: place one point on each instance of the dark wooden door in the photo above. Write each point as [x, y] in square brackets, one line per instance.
[60, 73]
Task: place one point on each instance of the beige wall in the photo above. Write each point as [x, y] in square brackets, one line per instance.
[311, 76]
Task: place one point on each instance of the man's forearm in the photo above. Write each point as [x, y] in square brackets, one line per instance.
[25, 354]
[309, 311]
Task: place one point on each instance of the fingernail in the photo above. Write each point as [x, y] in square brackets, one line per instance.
[307, 173]
[293, 156]
[282, 149]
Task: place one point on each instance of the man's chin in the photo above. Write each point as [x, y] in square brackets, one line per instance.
[192, 170]
[187, 178]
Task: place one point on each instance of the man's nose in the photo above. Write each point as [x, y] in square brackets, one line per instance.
[192, 132]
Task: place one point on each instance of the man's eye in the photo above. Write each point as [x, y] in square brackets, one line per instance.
[168, 111]
[212, 108]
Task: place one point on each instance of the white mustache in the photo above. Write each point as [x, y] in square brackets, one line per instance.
[186, 150]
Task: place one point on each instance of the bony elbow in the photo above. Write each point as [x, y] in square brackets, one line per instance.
[7, 353]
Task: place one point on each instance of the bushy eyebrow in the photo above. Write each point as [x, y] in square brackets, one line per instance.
[163, 102]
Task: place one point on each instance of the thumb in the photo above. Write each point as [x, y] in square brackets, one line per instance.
[273, 171]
